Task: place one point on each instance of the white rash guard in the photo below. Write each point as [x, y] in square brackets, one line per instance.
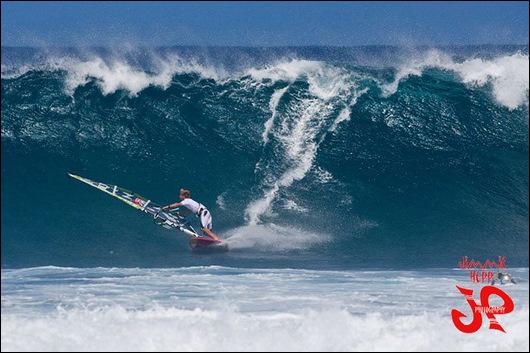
[205, 218]
[191, 205]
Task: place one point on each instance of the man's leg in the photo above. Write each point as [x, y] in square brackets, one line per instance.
[206, 225]
[209, 233]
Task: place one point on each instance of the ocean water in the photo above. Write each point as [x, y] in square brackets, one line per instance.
[234, 309]
[339, 177]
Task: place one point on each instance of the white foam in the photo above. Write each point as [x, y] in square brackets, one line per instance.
[302, 125]
[508, 75]
[220, 201]
[116, 74]
[117, 329]
[292, 205]
[273, 104]
[345, 113]
[14, 72]
[325, 81]
[288, 70]
[323, 175]
[300, 148]
[234, 309]
[272, 237]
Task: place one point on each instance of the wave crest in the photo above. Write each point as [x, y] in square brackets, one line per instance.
[508, 75]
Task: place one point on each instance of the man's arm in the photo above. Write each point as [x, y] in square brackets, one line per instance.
[173, 205]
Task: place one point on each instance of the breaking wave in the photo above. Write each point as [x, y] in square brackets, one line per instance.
[234, 309]
[295, 150]
[118, 329]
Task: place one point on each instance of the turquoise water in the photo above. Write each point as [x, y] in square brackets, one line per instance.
[348, 183]
[307, 157]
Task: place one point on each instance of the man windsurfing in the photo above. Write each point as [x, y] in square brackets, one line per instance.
[205, 218]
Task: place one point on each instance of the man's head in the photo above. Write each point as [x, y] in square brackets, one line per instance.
[184, 194]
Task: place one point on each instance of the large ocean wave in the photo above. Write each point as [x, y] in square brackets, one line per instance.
[346, 161]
